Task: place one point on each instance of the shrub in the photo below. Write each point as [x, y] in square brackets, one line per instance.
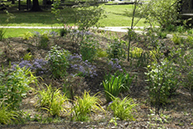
[44, 40]
[15, 85]
[116, 50]
[84, 106]
[57, 60]
[84, 15]
[164, 12]
[123, 109]
[88, 48]
[163, 82]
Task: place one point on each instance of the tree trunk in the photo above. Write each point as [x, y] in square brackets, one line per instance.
[36, 6]
[13, 2]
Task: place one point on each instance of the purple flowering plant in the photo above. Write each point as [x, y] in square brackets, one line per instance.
[82, 68]
[114, 64]
[37, 65]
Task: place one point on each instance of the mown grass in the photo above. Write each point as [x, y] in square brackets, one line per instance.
[12, 32]
[116, 16]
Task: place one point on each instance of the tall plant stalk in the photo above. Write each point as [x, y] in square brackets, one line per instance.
[131, 29]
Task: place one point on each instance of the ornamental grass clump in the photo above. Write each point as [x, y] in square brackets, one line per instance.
[122, 109]
[52, 101]
[84, 106]
[114, 84]
[8, 116]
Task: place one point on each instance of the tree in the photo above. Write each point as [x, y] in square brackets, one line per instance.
[36, 6]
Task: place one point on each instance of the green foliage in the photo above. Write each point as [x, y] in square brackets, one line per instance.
[52, 100]
[161, 34]
[63, 32]
[85, 105]
[163, 81]
[84, 15]
[163, 12]
[177, 39]
[44, 40]
[28, 56]
[180, 29]
[7, 116]
[2, 33]
[116, 49]
[123, 109]
[27, 35]
[88, 48]
[114, 84]
[9, 16]
[101, 53]
[15, 85]
[136, 52]
[88, 16]
[57, 60]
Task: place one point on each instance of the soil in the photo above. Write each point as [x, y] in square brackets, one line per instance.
[175, 115]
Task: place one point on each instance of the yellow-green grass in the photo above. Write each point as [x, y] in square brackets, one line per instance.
[19, 32]
[116, 16]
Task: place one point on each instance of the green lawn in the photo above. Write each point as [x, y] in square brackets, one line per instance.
[20, 32]
[116, 16]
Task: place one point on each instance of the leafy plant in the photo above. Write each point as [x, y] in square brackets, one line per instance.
[136, 52]
[15, 85]
[7, 116]
[101, 53]
[163, 82]
[84, 15]
[116, 50]
[2, 34]
[177, 39]
[115, 65]
[44, 40]
[3, 29]
[37, 65]
[28, 56]
[123, 109]
[57, 60]
[27, 35]
[88, 48]
[164, 12]
[114, 84]
[80, 67]
[84, 106]
[52, 100]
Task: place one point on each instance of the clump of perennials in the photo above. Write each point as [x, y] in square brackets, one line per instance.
[81, 67]
[37, 65]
